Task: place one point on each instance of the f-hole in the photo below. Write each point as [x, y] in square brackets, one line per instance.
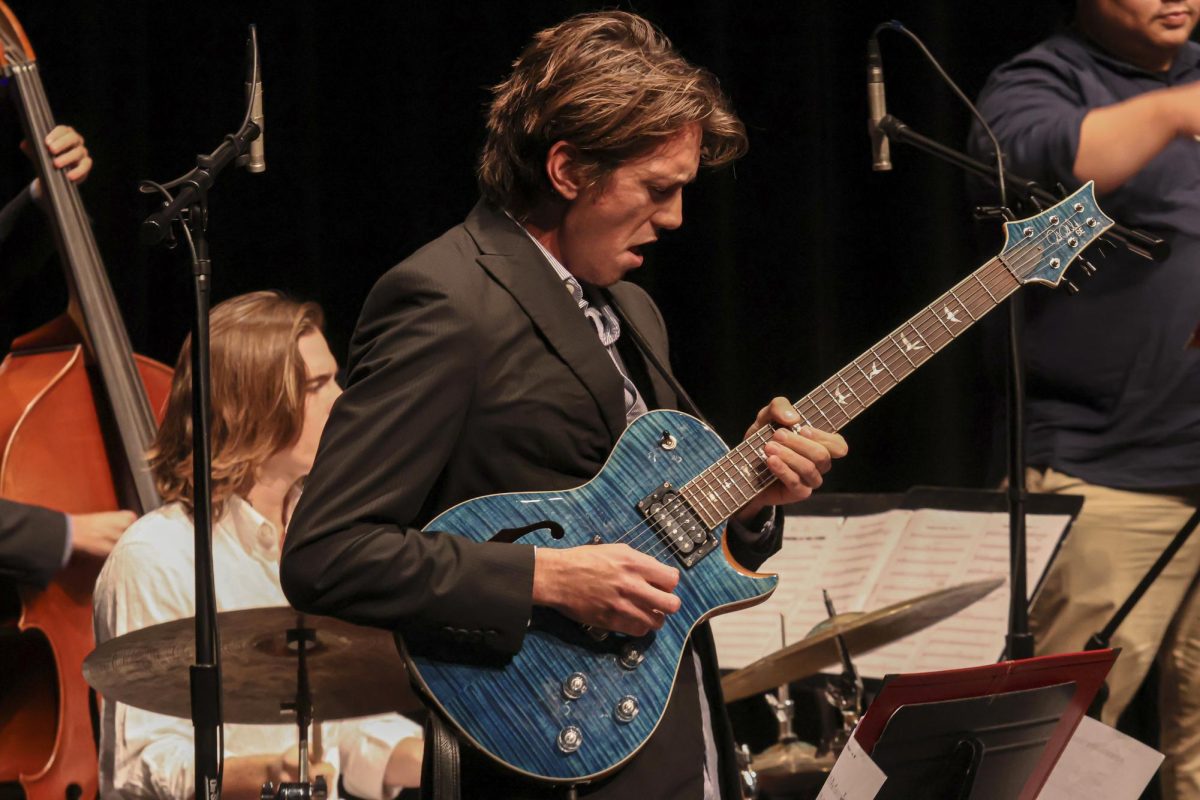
[511, 535]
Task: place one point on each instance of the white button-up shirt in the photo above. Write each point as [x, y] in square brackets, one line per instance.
[149, 578]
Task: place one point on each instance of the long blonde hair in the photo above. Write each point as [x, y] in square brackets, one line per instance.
[258, 381]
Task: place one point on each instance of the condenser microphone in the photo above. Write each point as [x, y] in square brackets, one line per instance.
[257, 161]
[881, 159]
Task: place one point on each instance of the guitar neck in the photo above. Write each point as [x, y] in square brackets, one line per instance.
[741, 474]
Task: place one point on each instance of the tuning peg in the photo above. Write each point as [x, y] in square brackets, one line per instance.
[1072, 289]
[1087, 267]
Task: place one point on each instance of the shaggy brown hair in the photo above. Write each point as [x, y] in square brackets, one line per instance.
[611, 85]
[258, 382]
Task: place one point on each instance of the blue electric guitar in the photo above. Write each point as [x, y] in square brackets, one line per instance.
[575, 702]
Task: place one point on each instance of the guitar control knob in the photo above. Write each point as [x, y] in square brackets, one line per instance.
[626, 710]
[574, 686]
[569, 739]
[631, 656]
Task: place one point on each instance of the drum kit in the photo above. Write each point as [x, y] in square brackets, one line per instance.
[278, 663]
[791, 768]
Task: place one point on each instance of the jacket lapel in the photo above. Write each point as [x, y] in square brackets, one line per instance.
[514, 262]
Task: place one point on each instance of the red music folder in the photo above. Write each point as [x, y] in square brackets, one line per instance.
[1086, 670]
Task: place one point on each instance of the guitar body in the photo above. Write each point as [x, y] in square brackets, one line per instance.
[516, 711]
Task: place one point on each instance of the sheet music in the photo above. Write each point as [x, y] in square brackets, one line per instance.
[937, 553]
[855, 776]
[747, 635]
[1100, 763]
[875, 560]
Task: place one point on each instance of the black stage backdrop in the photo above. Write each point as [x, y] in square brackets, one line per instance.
[786, 268]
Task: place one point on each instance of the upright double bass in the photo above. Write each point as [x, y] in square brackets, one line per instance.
[77, 414]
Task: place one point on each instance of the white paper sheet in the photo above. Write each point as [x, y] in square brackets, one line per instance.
[854, 776]
[749, 634]
[875, 560]
[1100, 763]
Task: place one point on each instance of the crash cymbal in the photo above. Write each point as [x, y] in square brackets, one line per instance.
[352, 671]
[861, 632]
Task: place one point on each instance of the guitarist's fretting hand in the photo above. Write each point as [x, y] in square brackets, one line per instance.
[798, 460]
[610, 586]
[615, 587]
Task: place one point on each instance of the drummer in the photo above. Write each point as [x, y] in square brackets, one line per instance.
[272, 389]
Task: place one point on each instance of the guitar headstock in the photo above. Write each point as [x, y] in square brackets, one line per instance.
[1039, 249]
[14, 44]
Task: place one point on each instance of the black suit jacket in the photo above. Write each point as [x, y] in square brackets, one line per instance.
[32, 542]
[472, 372]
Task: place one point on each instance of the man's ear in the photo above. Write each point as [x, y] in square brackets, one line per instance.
[562, 170]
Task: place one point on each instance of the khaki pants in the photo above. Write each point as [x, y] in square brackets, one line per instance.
[1116, 538]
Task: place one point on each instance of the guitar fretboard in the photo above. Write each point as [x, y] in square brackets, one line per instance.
[735, 478]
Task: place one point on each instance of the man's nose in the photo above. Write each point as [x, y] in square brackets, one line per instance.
[670, 213]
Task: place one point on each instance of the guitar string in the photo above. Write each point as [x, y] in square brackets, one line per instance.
[978, 289]
[664, 547]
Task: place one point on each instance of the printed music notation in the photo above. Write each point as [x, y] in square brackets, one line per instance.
[871, 561]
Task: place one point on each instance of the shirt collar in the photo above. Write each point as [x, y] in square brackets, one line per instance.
[254, 532]
[562, 272]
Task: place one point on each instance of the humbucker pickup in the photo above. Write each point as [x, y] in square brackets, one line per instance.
[670, 516]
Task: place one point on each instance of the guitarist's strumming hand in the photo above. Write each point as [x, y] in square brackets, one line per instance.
[797, 460]
[609, 586]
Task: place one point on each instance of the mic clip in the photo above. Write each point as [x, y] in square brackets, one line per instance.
[983, 213]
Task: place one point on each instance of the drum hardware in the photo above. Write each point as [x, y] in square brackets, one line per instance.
[303, 638]
[844, 692]
[794, 768]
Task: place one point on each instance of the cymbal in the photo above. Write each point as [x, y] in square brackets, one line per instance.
[792, 766]
[862, 632]
[353, 671]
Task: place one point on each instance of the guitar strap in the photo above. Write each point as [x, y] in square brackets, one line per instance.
[643, 346]
[441, 777]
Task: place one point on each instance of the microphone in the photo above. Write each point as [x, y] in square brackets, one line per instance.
[257, 160]
[881, 159]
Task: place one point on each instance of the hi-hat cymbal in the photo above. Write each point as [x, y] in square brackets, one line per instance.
[861, 632]
[352, 671]
[792, 766]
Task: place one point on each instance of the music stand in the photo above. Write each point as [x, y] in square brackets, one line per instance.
[959, 730]
[976, 748]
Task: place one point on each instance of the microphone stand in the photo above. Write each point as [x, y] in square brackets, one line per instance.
[190, 208]
[1019, 640]
[1135, 241]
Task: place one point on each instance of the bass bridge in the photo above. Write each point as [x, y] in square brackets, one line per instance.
[677, 525]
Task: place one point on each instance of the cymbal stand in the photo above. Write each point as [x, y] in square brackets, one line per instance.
[781, 702]
[844, 692]
[303, 638]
